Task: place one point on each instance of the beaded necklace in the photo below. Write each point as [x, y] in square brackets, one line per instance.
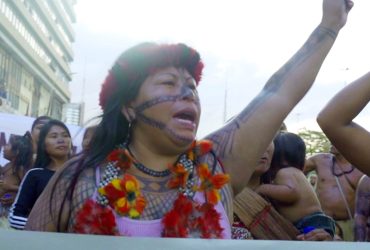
[342, 172]
[149, 171]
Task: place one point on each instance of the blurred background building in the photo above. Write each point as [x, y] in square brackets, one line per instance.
[73, 113]
[36, 39]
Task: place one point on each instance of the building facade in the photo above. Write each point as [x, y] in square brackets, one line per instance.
[73, 113]
[36, 39]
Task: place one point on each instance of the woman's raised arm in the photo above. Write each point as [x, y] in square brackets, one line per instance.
[241, 142]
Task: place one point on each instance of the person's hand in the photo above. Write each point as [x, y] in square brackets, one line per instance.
[335, 13]
[7, 200]
[317, 234]
[4, 185]
[260, 189]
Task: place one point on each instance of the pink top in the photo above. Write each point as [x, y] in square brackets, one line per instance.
[154, 228]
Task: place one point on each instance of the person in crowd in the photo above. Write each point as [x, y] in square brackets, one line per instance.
[88, 134]
[253, 213]
[53, 150]
[145, 174]
[288, 188]
[18, 151]
[241, 225]
[336, 121]
[336, 187]
[362, 210]
[37, 125]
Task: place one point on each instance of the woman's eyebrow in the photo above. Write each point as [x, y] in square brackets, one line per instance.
[167, 73]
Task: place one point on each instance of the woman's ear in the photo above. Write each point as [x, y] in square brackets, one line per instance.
[128, 112]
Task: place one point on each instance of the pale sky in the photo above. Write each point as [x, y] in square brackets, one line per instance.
[242, 43]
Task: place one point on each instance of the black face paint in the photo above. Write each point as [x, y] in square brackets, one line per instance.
[187, 92]
[179, 137]
[162, 126]
[155, 101]
[150, 121]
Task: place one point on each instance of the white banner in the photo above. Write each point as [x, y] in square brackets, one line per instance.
[18, 125]
[59, 241]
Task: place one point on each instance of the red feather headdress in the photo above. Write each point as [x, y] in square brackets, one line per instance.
[137, 63]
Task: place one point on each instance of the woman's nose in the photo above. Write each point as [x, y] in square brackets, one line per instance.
[187, 93]
[61, 139]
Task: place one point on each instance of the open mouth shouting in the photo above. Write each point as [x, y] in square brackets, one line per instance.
[186, 118]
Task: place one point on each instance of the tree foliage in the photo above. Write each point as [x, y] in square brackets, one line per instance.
[316, 141]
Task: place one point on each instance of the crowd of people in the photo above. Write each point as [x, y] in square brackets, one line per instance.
[142, 172]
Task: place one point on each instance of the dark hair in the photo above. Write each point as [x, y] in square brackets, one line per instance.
[21, 147]
[43, 158]
[88, 129]
[39, 120]
[290, 151]
[121, 86]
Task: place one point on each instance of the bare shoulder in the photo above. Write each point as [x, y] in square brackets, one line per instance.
[288, 171]
[321, 157]
[291, 174]
[285, 173]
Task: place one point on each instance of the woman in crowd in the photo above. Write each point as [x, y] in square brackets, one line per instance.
[53, 150]
[18, 152]
[145, 174]
[88, 135]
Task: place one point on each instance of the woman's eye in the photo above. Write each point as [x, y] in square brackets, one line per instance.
[192, 87]
[169, 83]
